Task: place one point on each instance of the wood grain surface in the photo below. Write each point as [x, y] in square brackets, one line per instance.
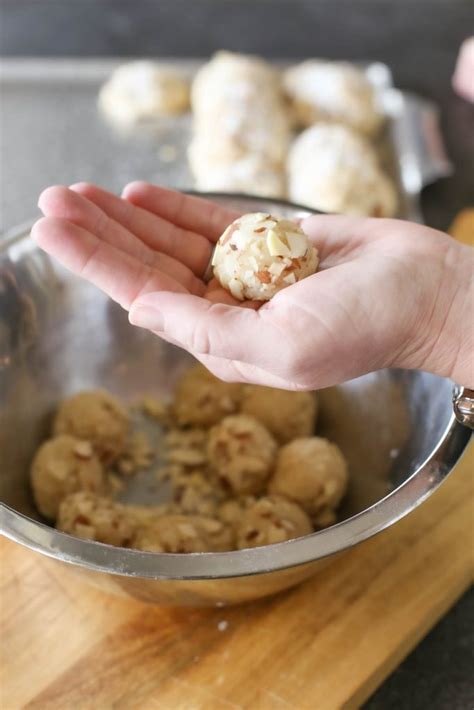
[326, 644]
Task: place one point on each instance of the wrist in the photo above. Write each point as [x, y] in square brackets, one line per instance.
[445, 335]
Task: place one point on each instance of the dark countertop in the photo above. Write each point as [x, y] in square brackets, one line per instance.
[419, 41]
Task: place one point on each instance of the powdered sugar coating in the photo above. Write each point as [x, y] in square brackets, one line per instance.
[333, 91]
[241, 126]
[248, 174]
[260, 254]
[144, 89]
[333, 169]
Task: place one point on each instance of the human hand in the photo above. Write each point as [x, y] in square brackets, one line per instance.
[389, 293]
[164, 243]
[463, 77]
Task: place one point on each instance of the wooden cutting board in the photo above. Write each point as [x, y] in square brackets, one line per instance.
[326, 644]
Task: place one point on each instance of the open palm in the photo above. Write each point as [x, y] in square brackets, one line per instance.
[368, 307]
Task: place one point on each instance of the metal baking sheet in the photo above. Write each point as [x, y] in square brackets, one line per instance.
[52, 133]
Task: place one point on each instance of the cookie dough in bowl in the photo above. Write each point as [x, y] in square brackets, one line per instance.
[287, 415]
[270, 520]
[241, 452]
[98, 417]
[92, 517]
[184, 534]
[259, 255]
[312, 472]
[201, 400]
[61, 466]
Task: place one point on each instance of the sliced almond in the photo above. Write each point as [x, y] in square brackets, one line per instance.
[188, 457]
[298, 244]
[276, 245]
[211, 526]
[187, 530]
[83, 450]
[215, 255]
[236, 289]
[277, 268]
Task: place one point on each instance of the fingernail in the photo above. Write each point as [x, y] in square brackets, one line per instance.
[146, 317]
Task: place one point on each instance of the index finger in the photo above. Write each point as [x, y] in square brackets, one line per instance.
[186, 211]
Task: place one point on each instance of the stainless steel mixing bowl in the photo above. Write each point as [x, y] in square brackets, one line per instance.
[58, 334]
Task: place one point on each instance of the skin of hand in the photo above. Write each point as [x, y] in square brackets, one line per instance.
[388, 293]
[463, 78]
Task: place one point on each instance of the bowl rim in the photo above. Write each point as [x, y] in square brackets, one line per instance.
[127, 562]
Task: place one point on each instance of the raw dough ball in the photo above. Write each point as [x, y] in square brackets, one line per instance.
[61, 466]
[247, 175]
[144, 89]
[258, 255]
[286, 415]
[312, 472]
[241, 127]
[242, 452]
[270, 520]
[333, 169]
[91, 517]
[202, 400]
[249, 126]
[333, 91]
[231, 76]
[184, 533]
[231, 510]
[97, 417]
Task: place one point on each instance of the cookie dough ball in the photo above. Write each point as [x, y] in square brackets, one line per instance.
[259, 255]
[202, 400]
[144, 89]
[62, 466]
[311, 472]
[242, 453]
[333, 169]
[241, 127]
[251, 127]
[184, 533]
[286, 415]
[270, 520]
[92, 517]
[232, 509]
[333, 91]
[97, 417]
[249, 174]
[233, 78]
